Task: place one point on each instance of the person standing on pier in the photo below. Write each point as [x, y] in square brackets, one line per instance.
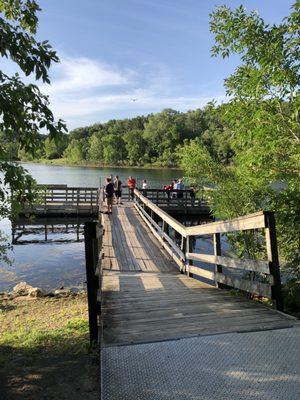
[109, 194]
[179, 187]
[118, 190]
[131, 182]
[144, 187]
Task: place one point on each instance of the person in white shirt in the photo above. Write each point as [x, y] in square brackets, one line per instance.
[144, 187]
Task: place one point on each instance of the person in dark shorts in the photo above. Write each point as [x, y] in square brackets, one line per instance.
[144, 187]
[109, 194]
[118, 189]
[192, 194]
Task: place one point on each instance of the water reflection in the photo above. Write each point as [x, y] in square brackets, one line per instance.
[41, 231]
[45, 253]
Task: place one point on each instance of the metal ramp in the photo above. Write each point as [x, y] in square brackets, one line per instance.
[236, 366]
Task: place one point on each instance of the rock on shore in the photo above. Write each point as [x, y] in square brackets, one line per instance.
[24, 289]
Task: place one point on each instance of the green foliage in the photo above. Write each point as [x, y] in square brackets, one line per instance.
[113, 149]
[24, 110]
[163, 131]
[95, 152]
[55, 149]
[76, 150]
[135, 145]
[146, 140]
[263, 127]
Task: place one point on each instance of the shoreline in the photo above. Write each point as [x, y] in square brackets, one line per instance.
[56, 162]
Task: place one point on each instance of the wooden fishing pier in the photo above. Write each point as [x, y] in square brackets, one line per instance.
[163, 313]
[63, 200]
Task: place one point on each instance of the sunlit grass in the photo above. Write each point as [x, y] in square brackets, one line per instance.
[43, 326]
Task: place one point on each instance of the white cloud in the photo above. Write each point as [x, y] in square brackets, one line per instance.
[84, 91]
[77, 74]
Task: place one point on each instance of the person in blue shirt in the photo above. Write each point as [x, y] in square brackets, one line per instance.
[179, 187]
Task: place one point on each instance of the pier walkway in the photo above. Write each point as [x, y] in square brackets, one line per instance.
[165, 335]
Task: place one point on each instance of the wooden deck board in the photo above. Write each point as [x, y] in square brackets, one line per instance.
[130, 242]
[145, 298]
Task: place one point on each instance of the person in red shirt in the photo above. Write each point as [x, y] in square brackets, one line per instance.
[131, 182]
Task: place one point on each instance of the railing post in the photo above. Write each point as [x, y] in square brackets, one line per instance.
[272, 253]
[78, 193]
[91, 194]
[183, 249]
[91, 258]
[217, 252]
[165, 228]
[189, 249]
[45, 200]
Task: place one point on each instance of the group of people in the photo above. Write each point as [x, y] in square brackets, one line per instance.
[113, 190]
[178, 185]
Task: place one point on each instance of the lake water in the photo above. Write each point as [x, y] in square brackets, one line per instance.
[50, 254]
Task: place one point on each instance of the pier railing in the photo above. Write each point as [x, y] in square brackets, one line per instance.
[257, 277]
[53, 199]
[163, 197]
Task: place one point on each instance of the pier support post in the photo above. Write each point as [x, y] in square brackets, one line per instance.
[91, 258]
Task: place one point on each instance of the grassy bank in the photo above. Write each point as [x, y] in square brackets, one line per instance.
[44, 349]
[67, 163]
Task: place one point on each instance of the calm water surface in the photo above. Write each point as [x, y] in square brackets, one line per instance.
[50, 253]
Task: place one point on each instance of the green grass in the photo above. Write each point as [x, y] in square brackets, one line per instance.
[43, 326]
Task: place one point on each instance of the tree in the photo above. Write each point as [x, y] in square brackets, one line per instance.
[113, 149]
[55, 149]
[164, 131]
[195, 123]
[217, 133]
[263, 117]
[77, 150]
[24, 111]
[135, 147]
[95, 152]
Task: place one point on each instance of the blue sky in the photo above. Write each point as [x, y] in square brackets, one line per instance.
[154, 51]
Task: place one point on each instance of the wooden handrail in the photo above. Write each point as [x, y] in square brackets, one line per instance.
[247, 222]
[184, 256]
[180, 228]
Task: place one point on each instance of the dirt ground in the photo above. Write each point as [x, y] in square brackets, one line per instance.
[44, 350]
[59, 378]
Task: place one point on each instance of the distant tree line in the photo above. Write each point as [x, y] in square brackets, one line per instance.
[155, 139]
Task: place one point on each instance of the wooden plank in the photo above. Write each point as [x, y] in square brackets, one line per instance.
[261, 289]
[252, 221]
[111, 338]
[204, 273]
[196, 325]
[161, 233]
[164, 244]
[166, 217]
[194, 316]
[245, 265]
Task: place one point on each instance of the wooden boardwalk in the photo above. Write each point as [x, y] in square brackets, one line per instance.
[146, 299]
[129, 246]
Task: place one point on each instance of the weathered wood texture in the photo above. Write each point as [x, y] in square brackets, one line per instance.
[56, 200]
[145, 298]
[268, 286]
[139, 307]
[128, 244]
